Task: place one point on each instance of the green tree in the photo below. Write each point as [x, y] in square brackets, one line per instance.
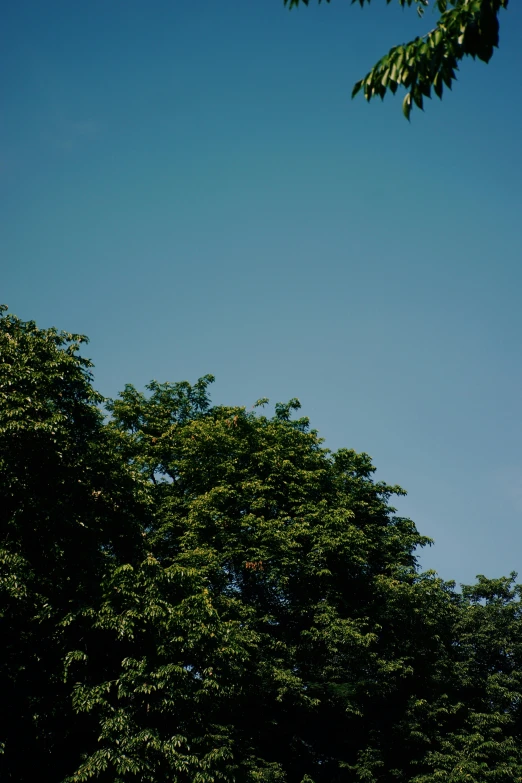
[278, 613]
[68, 513]
[465, 28]
[482, 742]
[204, 593]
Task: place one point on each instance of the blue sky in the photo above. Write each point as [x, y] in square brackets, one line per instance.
[190, 184]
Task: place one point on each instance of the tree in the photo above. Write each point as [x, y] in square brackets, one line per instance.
[68, 514]
[204, 593]
[465, 28]
[278, 612]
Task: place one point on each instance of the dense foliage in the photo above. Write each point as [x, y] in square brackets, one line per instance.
[465, 28]
[204, 593]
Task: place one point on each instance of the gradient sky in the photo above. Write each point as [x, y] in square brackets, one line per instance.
[190, 184]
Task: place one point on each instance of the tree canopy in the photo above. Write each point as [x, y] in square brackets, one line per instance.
[196, 592]
[464, 28]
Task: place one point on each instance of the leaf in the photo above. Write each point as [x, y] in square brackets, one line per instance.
[438, 85]
[406, 105]
[357, 87]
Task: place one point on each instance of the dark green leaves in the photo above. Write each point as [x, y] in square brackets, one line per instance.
[465, 28]
[204, 593]
[68, 515]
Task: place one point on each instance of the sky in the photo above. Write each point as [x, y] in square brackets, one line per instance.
[190, 184]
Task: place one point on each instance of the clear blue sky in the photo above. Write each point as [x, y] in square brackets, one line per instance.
[189, 184]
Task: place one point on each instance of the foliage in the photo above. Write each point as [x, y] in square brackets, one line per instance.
[464, 28]
[68, 514]
[204, 593]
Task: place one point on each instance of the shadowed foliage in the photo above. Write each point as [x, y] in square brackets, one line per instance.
[204, 593]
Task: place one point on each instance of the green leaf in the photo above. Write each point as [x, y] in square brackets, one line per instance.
[357, 87]
[406, 105]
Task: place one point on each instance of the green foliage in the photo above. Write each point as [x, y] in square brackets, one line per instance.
[204, 593]
[67, 515]
[465, 28]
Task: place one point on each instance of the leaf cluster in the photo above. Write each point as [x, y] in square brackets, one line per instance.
[465, 28]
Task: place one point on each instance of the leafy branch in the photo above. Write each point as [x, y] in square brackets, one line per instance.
[465, 28]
